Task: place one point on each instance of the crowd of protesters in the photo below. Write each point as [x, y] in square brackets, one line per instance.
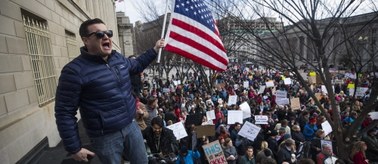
[291, 135]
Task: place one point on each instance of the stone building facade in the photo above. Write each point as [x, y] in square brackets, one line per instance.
[126, 34]
[37, 38]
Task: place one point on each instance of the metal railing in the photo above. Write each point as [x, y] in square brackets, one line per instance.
[41, 57]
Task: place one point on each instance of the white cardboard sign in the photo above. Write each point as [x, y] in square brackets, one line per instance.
[326, 127]
[261, 119]
[178, 130]
[234, 116]
[281, 94]
[210, 115]
[246, 109]
[232, 100]
[249, 131]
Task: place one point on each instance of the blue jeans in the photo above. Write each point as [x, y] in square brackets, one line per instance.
[109, 148]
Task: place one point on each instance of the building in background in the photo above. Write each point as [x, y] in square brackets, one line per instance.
[126, 34]
[238, 36]
[37, 38]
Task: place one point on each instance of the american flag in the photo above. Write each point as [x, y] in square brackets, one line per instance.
[192, 33]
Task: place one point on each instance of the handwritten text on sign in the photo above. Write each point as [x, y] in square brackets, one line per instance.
[214, 153]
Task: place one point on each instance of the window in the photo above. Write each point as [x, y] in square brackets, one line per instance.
[41, 57]
[72, 49]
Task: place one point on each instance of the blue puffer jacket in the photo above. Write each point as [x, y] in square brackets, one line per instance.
[102, 91]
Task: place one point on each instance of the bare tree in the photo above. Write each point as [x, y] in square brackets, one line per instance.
[324, 31]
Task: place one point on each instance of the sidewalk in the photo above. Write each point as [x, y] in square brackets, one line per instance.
[57, 155]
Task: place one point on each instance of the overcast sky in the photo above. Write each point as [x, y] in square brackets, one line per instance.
[127, 7]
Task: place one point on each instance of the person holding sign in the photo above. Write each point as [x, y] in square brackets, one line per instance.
[230, 151]
[326, 156]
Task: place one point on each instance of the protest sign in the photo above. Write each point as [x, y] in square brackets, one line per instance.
[246, 109]
[326, 127]
[281, 94]
[282, 101]
[373, 115]
[178, 130]
[261, 89]
[324, 89]
[205, 130]
[166, 90]
[295, 104]
[249, 131]
[214, 153]
[232, 100]
[287, 81]
[361, 91]
[261, 119]
[210, 115]
[234, 116]
[325, 142]
[269, 84]
[311, 79]
[176, 82]
[246, 84]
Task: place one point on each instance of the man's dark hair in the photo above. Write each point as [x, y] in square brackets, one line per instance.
[157, 121]
[83, 30]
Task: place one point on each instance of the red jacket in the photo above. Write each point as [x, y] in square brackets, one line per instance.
[359, 158]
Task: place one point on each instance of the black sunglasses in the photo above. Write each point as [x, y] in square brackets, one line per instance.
[101, 34]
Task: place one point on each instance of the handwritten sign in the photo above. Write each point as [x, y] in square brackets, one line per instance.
[178, 130]
[269, 84]
[246, 84]
[295, 104]
[261, 119]
[326, 127]
[166, 90]
[361, 91]
[176, 82]
[373, 115]
[246, 109]
[281, 94]
[210, 115]
[234, 116]
[283, 101]
[287, 81]
[261, 89]
[232, 100]
[214, 153]
[205, 130]
[249, 131]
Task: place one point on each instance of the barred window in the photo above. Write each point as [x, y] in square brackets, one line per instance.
[72, 48]
[39, 48]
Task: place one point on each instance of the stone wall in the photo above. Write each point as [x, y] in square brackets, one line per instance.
[23, 121]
